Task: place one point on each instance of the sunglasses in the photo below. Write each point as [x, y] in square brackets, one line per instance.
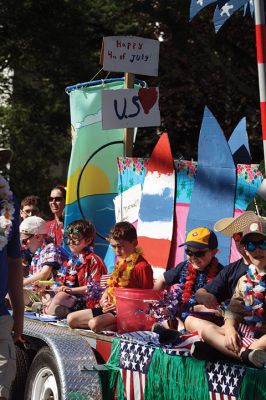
[24, 241]
[237, 236]
[200, 253]
[72, 240]
[55, 198]
[251, 246]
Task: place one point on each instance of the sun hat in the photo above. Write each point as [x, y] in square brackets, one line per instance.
[33, 225]
[201, 238]
[5, 156]
[255, 227]
[229, 226]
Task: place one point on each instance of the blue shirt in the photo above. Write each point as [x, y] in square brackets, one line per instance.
[172, 276]
[12, 249]
[223, 285]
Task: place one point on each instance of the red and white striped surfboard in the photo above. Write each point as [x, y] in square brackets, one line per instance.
[156, 213]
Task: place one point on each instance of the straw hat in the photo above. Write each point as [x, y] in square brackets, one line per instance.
[5, 156]
[229, 226]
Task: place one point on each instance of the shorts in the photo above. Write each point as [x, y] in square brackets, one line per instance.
[99, 311]
[7, 356]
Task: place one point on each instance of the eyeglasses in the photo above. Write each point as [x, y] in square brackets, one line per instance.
[200, 253]
[237, 236]
[75, 240]
[33, 211]
[251, 246]
[24, 241]
[57, 198]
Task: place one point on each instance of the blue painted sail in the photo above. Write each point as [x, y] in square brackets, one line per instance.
[239, 145]
[214, 190]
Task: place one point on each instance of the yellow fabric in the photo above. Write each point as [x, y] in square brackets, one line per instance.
[199, 235]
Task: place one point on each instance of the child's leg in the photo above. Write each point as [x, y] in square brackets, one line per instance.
[79, 319]
[193, 324]
[215, 336]
[60, 299]
[104, 322]
[259, 344]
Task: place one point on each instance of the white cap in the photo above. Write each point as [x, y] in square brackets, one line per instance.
[33, 225]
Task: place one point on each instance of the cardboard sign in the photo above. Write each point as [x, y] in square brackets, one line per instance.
[130, 108]
[131, 54]
[127, 204]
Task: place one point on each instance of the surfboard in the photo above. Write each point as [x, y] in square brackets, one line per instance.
[214, 190]
[156, 213]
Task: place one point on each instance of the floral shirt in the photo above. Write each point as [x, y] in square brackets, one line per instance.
[49, 254]
[79, 271]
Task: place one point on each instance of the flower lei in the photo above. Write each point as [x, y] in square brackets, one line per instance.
[254, 298]
[121, 275]
[192, 280]
[183, 296]
[7, 212]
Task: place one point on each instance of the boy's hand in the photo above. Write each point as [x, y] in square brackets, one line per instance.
[109, 307]
[207, 299]
[65, 289]
[232, 340]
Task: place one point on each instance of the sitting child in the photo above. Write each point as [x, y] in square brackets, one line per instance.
[131, 271]
[83, 268]
[46, 259]
[247, 305]
[200, 268]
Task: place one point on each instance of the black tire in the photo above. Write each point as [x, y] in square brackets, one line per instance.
[44, 360]
[23, 360]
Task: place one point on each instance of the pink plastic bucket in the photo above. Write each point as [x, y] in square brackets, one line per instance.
[131, 305]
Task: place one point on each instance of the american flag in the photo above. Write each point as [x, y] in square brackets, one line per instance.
[134, 364]
[224, 380]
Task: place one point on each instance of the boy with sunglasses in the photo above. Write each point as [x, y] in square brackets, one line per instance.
[222, 287]
[80, 272]
[247, 305]
[46, 259]
[200, 268]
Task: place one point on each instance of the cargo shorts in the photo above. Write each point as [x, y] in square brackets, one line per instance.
[7, 356]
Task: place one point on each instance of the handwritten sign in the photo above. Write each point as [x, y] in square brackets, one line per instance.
[130, 108]
[131, 54]
[127, 204]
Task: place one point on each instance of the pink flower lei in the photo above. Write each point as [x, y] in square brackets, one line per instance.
[7, 212]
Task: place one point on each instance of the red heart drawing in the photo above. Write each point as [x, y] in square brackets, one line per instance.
[148, 98]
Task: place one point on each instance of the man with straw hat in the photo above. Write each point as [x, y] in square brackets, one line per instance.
[11, 281]
[222, 287]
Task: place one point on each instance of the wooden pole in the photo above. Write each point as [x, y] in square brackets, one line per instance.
[128, 132]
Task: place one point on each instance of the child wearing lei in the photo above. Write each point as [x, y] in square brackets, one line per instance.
[78, 279]
[131, 271]
[200, 268]
[246, 306]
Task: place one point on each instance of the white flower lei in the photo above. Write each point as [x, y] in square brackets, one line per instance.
[7, 212]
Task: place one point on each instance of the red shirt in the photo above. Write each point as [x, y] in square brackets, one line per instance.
[141, 276]
[55, 231]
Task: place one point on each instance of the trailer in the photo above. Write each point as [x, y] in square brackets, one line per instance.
[54, 362]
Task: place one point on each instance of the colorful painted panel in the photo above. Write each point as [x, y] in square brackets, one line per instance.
[156, 213]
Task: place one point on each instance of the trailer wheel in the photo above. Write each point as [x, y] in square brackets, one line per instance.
[43, 381]
[23, 360]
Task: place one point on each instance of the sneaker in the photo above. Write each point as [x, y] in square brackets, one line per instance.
[203, 351]
[254, 358]
[166, 336]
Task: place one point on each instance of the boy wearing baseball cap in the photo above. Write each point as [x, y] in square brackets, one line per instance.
[200, 268]
[47, 258]
[246, 306]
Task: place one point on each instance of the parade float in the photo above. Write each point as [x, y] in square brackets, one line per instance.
[164, 198]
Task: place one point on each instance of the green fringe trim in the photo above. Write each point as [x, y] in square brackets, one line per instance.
[176, 378]
[115, 378]
[253, 385]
